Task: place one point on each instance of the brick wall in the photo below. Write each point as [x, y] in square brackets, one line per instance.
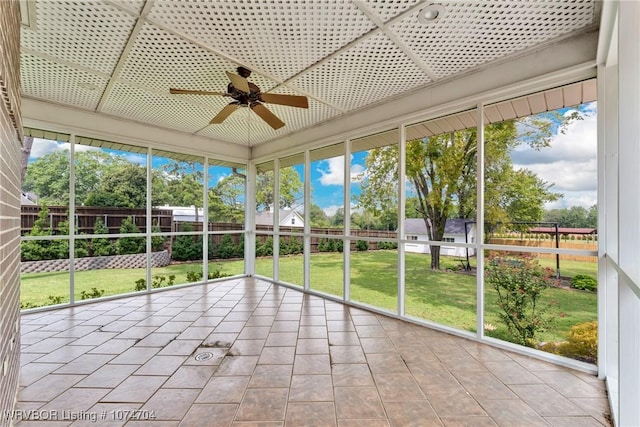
[10, 145]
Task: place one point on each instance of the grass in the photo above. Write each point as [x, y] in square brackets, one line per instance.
[445, 297]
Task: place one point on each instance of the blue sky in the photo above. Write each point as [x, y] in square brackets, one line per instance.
[569, 163]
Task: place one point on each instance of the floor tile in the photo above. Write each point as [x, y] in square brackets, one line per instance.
[311, 414]
[351, 375]
[161, 365]
[224, 390]
[271, 376]
[108, 376]
[209, 415]
[311, 364]
[190, 377]
[171, 404]
[47, 388]
[137, 389]
[512, 412]
[358, 402]
[263, 404]
[311, 388]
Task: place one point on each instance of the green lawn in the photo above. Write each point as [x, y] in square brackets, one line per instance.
[445, 297]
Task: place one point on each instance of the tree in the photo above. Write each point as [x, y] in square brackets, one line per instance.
[442, 173]
[48, 178]
[317, 217]
[183, 184]
[573, 217]
[226, 199]
[124, 187]
[290, 189]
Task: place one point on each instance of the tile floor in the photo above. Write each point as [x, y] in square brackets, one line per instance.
[249, 353]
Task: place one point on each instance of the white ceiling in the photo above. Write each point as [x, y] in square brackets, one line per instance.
[119, 58]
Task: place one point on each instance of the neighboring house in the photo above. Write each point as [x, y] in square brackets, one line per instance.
[184, 213]
[27, 199]
[288, 218]
[416, 230]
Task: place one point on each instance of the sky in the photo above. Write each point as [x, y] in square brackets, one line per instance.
[569, 163]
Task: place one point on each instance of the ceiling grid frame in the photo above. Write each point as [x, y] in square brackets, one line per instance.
[127, 48]
[379, 37]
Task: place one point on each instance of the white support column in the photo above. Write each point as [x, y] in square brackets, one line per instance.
[307, 220]
[250, 221]
[629, 212]
[148, 220]
[276, 219]
[346, 247]
[402, 166]
[205, 220]
[72, 218]
[480, 223]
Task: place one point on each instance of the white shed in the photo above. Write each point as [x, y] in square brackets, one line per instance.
[454, 232]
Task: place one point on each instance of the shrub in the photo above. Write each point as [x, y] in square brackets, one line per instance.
[520, 283]
[584, 282]
[101, 246]
[141, 285]
[196, 276]
[158, 281]
[187, 248]
[582, 342]
[362, 245]
[129, 245]
[265, 248]
[157, 242]
[226, 249]
[95, 293]
[55, 299]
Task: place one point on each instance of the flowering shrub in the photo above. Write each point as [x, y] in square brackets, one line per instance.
[520, 282]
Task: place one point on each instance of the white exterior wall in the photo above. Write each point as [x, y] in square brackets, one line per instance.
[422, 248]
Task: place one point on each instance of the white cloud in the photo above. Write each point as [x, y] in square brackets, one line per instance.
[570, 163]
[331, 210]
[42, 147]
[333, 172]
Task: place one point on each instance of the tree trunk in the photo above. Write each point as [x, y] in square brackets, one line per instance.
[435, 257]
[27, 143]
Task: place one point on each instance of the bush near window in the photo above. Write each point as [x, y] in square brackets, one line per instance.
[584, 282]
[130, 245]
[581, 344]
[520, 282]
[101, 246]
[187, 248]
[362, 245]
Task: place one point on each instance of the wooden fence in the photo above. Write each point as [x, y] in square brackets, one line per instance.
[86, 217]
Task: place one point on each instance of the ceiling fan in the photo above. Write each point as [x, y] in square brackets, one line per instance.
[247, 94]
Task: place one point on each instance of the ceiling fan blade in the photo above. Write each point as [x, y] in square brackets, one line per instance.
[224, 113]
[238, 82]
[195, 92]
[290, 100]
[266, 115]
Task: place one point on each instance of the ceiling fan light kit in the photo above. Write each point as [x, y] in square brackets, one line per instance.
[247, 94]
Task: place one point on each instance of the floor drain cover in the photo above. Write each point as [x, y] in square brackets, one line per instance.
[201, 357]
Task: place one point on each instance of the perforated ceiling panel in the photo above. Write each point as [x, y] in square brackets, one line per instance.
[472, 33]
[61, 83]
[161, 110]
[120, 57]
[279, 37]
[86, 34]
[359, 77]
